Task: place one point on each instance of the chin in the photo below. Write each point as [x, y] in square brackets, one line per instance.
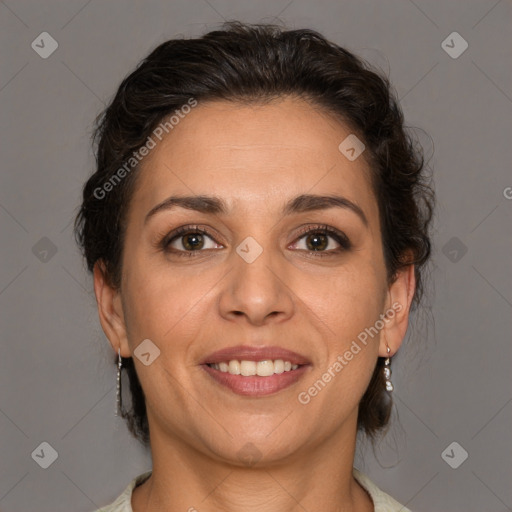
[260, 449]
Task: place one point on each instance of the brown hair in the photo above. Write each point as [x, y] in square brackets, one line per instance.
[247, 63]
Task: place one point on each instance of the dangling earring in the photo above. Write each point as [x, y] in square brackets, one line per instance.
[118, 386]
[387, 371]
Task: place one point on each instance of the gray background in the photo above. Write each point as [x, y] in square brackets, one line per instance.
[452, 375]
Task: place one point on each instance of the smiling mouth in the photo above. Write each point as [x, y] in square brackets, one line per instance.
[255, 371]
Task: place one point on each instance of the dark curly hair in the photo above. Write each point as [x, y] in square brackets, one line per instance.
[257, 63]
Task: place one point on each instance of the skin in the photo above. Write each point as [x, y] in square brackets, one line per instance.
[255, 157]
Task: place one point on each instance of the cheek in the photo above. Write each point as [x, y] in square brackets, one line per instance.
[347, 300]
[163, 305]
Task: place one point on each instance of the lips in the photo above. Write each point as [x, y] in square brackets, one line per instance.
[248, 384]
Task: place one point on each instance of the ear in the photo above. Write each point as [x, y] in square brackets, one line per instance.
[398, 305]
[110, 310]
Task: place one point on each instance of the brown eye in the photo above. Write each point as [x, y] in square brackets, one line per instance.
[317, 241]
[187, 240]
[192, 241]
[322, 239]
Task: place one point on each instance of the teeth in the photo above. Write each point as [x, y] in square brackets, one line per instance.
[234, 367]
[279, 366]
[250, 368]
[265, 368]
[247, 368]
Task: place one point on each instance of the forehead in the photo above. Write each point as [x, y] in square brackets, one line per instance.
[253, 154]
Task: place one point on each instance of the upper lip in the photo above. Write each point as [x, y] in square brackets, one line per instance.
[248, 353]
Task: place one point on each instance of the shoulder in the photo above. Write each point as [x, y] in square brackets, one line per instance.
[123, 503]
[381, 501]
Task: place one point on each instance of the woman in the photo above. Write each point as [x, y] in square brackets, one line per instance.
[257, 228]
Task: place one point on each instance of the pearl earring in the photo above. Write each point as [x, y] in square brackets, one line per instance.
[387, 371]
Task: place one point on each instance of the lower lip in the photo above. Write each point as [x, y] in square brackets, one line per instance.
[256, 385]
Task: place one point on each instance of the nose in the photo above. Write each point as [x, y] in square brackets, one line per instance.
[257, 291]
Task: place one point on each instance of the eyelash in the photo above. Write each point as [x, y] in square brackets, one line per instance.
[340, 237]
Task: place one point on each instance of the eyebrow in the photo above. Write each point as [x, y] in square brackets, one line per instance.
[299, 204]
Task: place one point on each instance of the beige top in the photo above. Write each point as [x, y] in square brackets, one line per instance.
[381, 501]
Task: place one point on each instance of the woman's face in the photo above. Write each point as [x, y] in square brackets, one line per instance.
[256, 280]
